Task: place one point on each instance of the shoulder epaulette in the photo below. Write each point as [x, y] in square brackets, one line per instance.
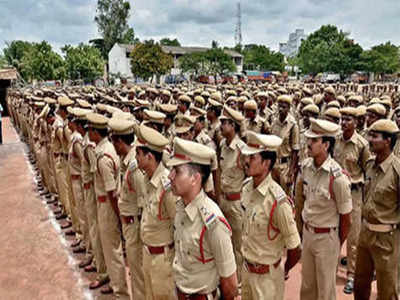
[278, 194]
[209, 218]
[166, 183]
[132, 165]
[336, 172]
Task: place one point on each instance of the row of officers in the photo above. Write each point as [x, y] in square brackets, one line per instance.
[227, 214]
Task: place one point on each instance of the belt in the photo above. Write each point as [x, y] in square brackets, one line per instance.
[56, 155]
[184, 296]
[318, 229]
[356, 186]
[232, 196]
[130, 219]
[283, 160]
[158, 250]
[260, 269]
[75, 177]
[102, 199]
[380, 227]
[87, 185]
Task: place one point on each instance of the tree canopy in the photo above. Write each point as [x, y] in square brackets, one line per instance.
[148, 59]
[260, 57]
[211, 62]
[112, 21]
[384, 58]
[170, 42]
[83, 62]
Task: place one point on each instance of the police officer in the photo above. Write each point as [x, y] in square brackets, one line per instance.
[156, 228]
[268, 226]
[204, 256]
[378, 247]
[352, 153]
[323, 201]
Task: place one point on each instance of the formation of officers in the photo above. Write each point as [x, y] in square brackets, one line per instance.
[217, 192]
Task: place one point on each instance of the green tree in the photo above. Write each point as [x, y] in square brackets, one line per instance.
[219, 62]
[83, 62]
[148, 59]
[261, 57]
[329, 49]
[381, 59]
[112, 21]
[195, 63]
[42, 63]
[170, 42]
[3, 61]
[14, 52]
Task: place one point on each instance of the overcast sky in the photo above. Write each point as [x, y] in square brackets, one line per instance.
[196, 23]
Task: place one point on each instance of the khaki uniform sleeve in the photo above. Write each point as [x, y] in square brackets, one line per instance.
[299, 202]
[170, 204]
[78, 149]
[219, 238]
[342, 192]
[287, 226]
[106, 169]
[366, 157]
[295, 137]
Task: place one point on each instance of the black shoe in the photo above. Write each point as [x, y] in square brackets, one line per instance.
[343, 261]
[348, 288]
[60, 217]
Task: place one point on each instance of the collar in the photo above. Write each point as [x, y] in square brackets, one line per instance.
[384, 166]
[156, 178]
[102, 142]
[234, 142]
[192, 208]
[263, 186]
[353, 138]
[325, 165]
[130, 156]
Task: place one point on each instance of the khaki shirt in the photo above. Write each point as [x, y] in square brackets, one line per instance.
[214, 131]
[232, 175]
[75, 154]
[107, 168]
[190, 273]
[132, 186]
[353, 155]
[288, 131]
[158, 209]
[382, 188]
[303, 152]
[204, 139]
[256, 125]
[57, 135]
[320, 210]
[257, 202]
[88, 163]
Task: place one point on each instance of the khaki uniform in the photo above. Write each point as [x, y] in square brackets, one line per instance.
[232, 177]
[106, 179]
[130, 207]
[321, 212]
[353, 155]
[214, 131]
[157, 235]
[256, 125]
[57, 150]
[379, 249]
[88, 170]
[263, 245]
[289, 132]
[203, 247]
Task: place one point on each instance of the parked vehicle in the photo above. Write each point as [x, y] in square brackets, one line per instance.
[174, 79]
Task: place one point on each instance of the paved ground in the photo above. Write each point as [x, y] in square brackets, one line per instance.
[36, 261]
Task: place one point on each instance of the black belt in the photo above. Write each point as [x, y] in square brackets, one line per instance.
[356, 186]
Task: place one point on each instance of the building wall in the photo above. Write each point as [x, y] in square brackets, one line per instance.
[118, 62]
[291, 47]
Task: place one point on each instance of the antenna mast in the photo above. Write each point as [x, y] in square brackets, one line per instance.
[238, 30]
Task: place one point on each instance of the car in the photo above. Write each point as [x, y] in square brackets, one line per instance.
[174, 79]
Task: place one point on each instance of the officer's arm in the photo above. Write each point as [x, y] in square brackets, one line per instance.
[344, 227]
[342, 192]
[219, 238]
[299, 203]
[106, 169]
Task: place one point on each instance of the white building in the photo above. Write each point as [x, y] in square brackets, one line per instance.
[291, 47]
[119, 61]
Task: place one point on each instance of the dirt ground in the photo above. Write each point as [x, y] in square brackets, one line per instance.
[36, 261]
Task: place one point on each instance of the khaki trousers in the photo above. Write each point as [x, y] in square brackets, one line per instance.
[110, 236]
[157, 271]
[269, 286]
[94, 235]
[233, 212]
[319, 263]
[134, 257]
[352, 239]
[62, 184]
[80, 210]
[380, 252]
